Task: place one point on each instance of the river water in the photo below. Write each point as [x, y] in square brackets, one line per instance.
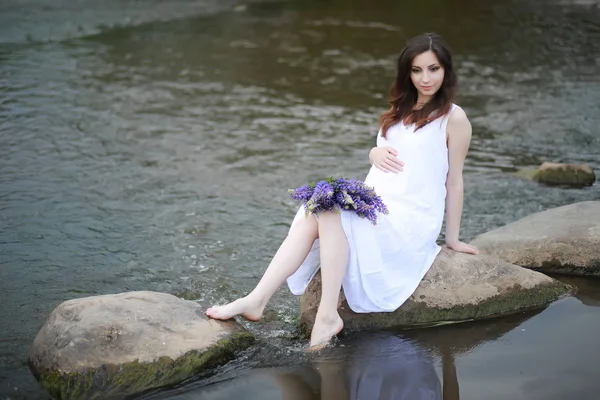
[148, 145]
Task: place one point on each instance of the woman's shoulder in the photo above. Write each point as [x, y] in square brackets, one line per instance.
[456, 116]
[458, 119]
[457, 111]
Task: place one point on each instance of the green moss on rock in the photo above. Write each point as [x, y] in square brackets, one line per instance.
[555, 266]
[565, 175]
[124, 380]
[189, 294]
[418, 315]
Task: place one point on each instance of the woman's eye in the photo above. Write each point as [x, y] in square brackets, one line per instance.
[415, 71]
[435, 69]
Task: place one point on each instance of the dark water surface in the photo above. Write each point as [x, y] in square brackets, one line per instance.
[148, 145]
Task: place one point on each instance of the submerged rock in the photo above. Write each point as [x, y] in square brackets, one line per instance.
[116, 346]
[563, 240]
[577, 175]
[458, 287]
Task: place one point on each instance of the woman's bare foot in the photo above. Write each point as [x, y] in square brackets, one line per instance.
[324, 329]
[246, 307]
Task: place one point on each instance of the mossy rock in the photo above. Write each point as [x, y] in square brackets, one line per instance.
[118, 346]
[457, 288]
[575, 175]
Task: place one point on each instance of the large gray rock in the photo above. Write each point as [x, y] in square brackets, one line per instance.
[458, 287]
[115, 346]
[563, 240]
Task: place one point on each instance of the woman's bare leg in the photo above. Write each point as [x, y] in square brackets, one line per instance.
[287, 260]
[334, 260]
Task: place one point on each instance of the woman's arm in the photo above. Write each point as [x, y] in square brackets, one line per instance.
[459, 138]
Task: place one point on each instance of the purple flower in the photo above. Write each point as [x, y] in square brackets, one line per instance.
[345, 194]
[322, 198]
[303, 193]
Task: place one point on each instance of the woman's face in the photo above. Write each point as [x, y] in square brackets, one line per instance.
[427, 74]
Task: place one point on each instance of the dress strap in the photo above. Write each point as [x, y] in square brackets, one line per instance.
[447, 117]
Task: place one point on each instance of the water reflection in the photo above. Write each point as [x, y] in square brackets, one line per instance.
[460, 339]
[383, 367]
[587, 289]
[373, 366]
[413, 365]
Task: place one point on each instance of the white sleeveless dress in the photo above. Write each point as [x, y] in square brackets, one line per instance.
[388, 260]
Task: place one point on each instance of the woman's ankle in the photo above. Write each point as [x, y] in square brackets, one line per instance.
[256, 299]
[327, 316]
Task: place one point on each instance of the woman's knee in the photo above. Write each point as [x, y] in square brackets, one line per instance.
[328, 217]
[310, 225]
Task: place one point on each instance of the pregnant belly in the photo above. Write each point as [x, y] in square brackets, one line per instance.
[386, 184]
[408, 191]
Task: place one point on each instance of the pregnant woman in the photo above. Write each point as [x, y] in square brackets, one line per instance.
[417, 170]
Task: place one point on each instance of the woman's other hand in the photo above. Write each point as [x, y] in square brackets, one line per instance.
[462, 247]
[385, 159]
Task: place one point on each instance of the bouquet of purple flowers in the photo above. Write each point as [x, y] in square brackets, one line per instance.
[340, 194]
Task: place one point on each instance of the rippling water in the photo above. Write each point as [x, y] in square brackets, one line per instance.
[148, 145]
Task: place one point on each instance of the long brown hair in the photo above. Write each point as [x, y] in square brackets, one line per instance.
[404, 95]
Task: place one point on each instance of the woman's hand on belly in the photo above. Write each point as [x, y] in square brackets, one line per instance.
[386, 159]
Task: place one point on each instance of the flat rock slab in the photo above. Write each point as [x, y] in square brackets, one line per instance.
[560, 240]
[116, 346]
[458, 287]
